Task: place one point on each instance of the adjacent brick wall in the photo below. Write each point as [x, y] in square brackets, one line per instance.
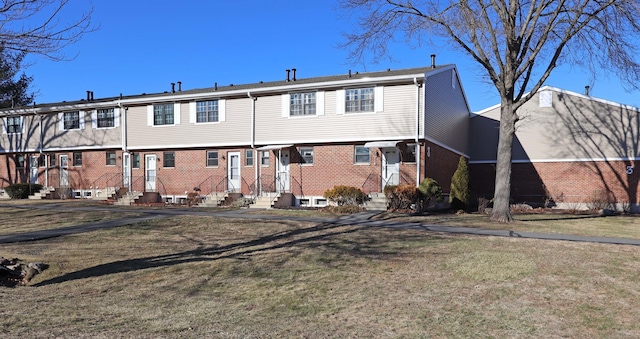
[562, 181]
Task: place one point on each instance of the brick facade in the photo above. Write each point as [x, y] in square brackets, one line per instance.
[564, 182]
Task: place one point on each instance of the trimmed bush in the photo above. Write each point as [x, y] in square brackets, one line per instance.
[345, 195]
[460, 195]
[430, 191]
[402, 197]
[22, 190]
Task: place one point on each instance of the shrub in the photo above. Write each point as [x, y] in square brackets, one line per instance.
[22, 190]
[402, 197]
[344, 209]
[345, 195]
[430, 191]
[460, 195]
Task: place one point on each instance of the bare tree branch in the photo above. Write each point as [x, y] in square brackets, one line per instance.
[36, 27]
[517, 43]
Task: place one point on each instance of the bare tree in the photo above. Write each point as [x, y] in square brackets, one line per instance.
[517, 44]
[40, 27]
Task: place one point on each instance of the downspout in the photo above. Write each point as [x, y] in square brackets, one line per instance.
[125, 149]
[253, 143]
[417, 138]
[46, 164]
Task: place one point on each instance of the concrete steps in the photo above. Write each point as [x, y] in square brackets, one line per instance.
[128, 199]
[265, 201]
[213, 199]
[376, 202]
[44, 193]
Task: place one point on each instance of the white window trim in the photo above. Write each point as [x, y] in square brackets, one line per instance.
[222, 112]
[176, 115]
[116, 119]
[5, 124]
[81, 118]
[286, 106]
[378, 100]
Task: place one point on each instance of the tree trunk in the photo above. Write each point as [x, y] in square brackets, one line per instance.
[501, 199]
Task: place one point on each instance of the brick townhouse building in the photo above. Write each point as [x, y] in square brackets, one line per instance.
[570, 150]
[295, 137]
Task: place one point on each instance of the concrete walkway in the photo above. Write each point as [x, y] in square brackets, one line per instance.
[359, 219]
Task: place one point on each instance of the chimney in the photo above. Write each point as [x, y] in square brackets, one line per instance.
[173, 87]
[586, 90]
[433, 61]
[288, 71]
[294, 74]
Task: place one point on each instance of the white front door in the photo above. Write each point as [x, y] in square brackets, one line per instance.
[233, 171]
[390, 167]
[126, 172]
[150, 173]
[64, 170]
[33, 173]
[282, 179]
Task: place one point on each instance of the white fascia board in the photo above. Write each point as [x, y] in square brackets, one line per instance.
[276, 89]
[44, 110]
[556, 160]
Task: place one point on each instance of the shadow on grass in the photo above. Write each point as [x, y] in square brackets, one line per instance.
[241, 249]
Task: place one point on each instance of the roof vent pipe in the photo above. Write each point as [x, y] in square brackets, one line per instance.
[91, 96]
[433, 61]
[288, 72]
[173, 87]
[349, 74]
[294, 74]
[179, 86]
[88, 95]
[215, 86]
[586, 90]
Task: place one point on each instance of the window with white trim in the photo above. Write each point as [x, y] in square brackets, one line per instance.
[248, 157]
[20, 161]
[207, 111]
[111, 158]
[77, 158]
[105, 118]
[212, 158]
[302, 104]
[163, 114]
[306, 155]
[264, 158]
[359, 100]
[169, 159]
[13, 125]
[361, 155]
[71, 120]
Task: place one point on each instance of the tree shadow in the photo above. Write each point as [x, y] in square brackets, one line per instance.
[309, 236]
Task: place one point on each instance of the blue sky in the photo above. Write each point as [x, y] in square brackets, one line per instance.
[143, 46]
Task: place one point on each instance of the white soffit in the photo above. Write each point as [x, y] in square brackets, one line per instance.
[381, 144]
[270, 147]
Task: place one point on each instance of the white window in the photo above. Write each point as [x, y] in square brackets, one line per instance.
[207, 111]
[212, 158]
[71, 120]
[163, 114]
[306, 155]
[248, 159]
[264, 158]
[359, 100]
[111, 158]
[302, 104]
[105, 118]
[12, 125]
[361, 155]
